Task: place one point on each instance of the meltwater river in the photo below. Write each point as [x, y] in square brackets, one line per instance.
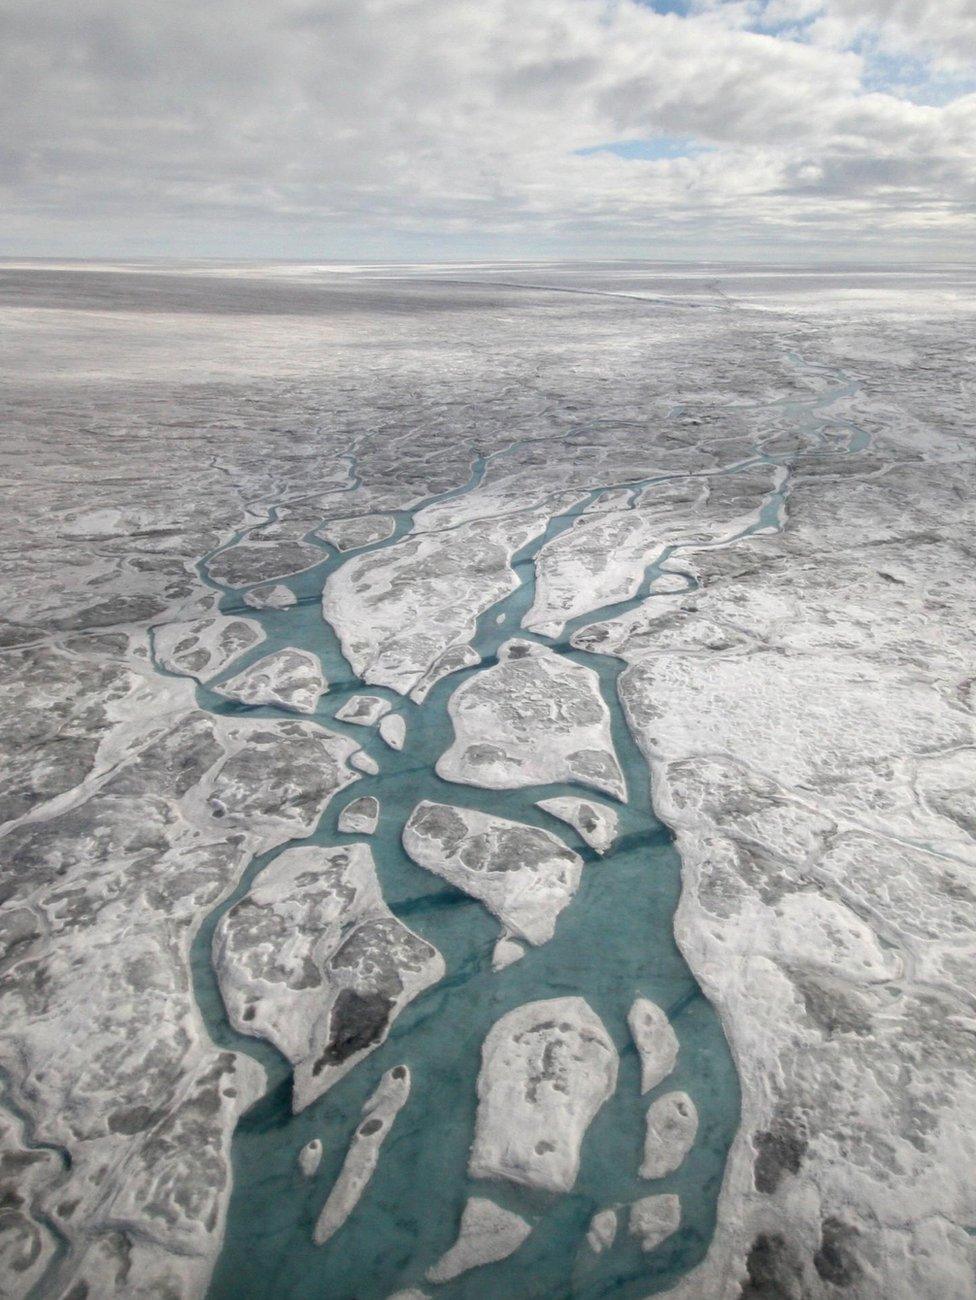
[613, 942]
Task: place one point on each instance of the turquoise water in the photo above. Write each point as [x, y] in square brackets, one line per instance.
[613, 942]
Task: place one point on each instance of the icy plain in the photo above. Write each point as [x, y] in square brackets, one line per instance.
[605, 554]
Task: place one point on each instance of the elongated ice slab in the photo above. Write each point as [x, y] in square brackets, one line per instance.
[656, 1041]
[453, 659]
[595, 823]
[379, 1112]
[599, 561]
[397, 610]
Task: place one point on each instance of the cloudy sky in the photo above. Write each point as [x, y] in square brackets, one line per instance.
[842, 129]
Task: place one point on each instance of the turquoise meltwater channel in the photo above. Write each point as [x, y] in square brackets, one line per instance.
[614, 942]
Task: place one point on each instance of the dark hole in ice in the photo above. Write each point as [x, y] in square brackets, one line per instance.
[132, 1120]
[835, 1261]
[371, 1126]
[358, 1021]
[779, 1150]
[774, 1272]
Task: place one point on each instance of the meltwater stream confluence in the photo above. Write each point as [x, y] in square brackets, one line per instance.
[613, 942]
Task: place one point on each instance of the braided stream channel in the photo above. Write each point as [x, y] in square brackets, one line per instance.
[613, 942]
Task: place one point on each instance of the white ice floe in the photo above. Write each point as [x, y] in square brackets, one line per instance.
[290, 679]
[359, 817]
[393, 729]
[525, 876]
[671, 1126]
[654, 1219]
[546, 1069]
[270, 596]
[364, 710]
[656, 1041]
[595, 823]
[602, 1231]
[534, 718]
[313, 960]
[310, 1157]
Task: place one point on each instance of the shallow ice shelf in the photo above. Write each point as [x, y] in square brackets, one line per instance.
[487, 1234]
[290, 679]
[535, 718]
[523, 875]
[599, 950]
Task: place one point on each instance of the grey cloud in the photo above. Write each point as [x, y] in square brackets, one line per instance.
[378, 123]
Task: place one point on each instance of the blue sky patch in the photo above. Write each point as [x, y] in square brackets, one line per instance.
[651, 149]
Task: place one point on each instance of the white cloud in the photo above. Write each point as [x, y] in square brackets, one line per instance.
[363, 126]
[939, 30]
